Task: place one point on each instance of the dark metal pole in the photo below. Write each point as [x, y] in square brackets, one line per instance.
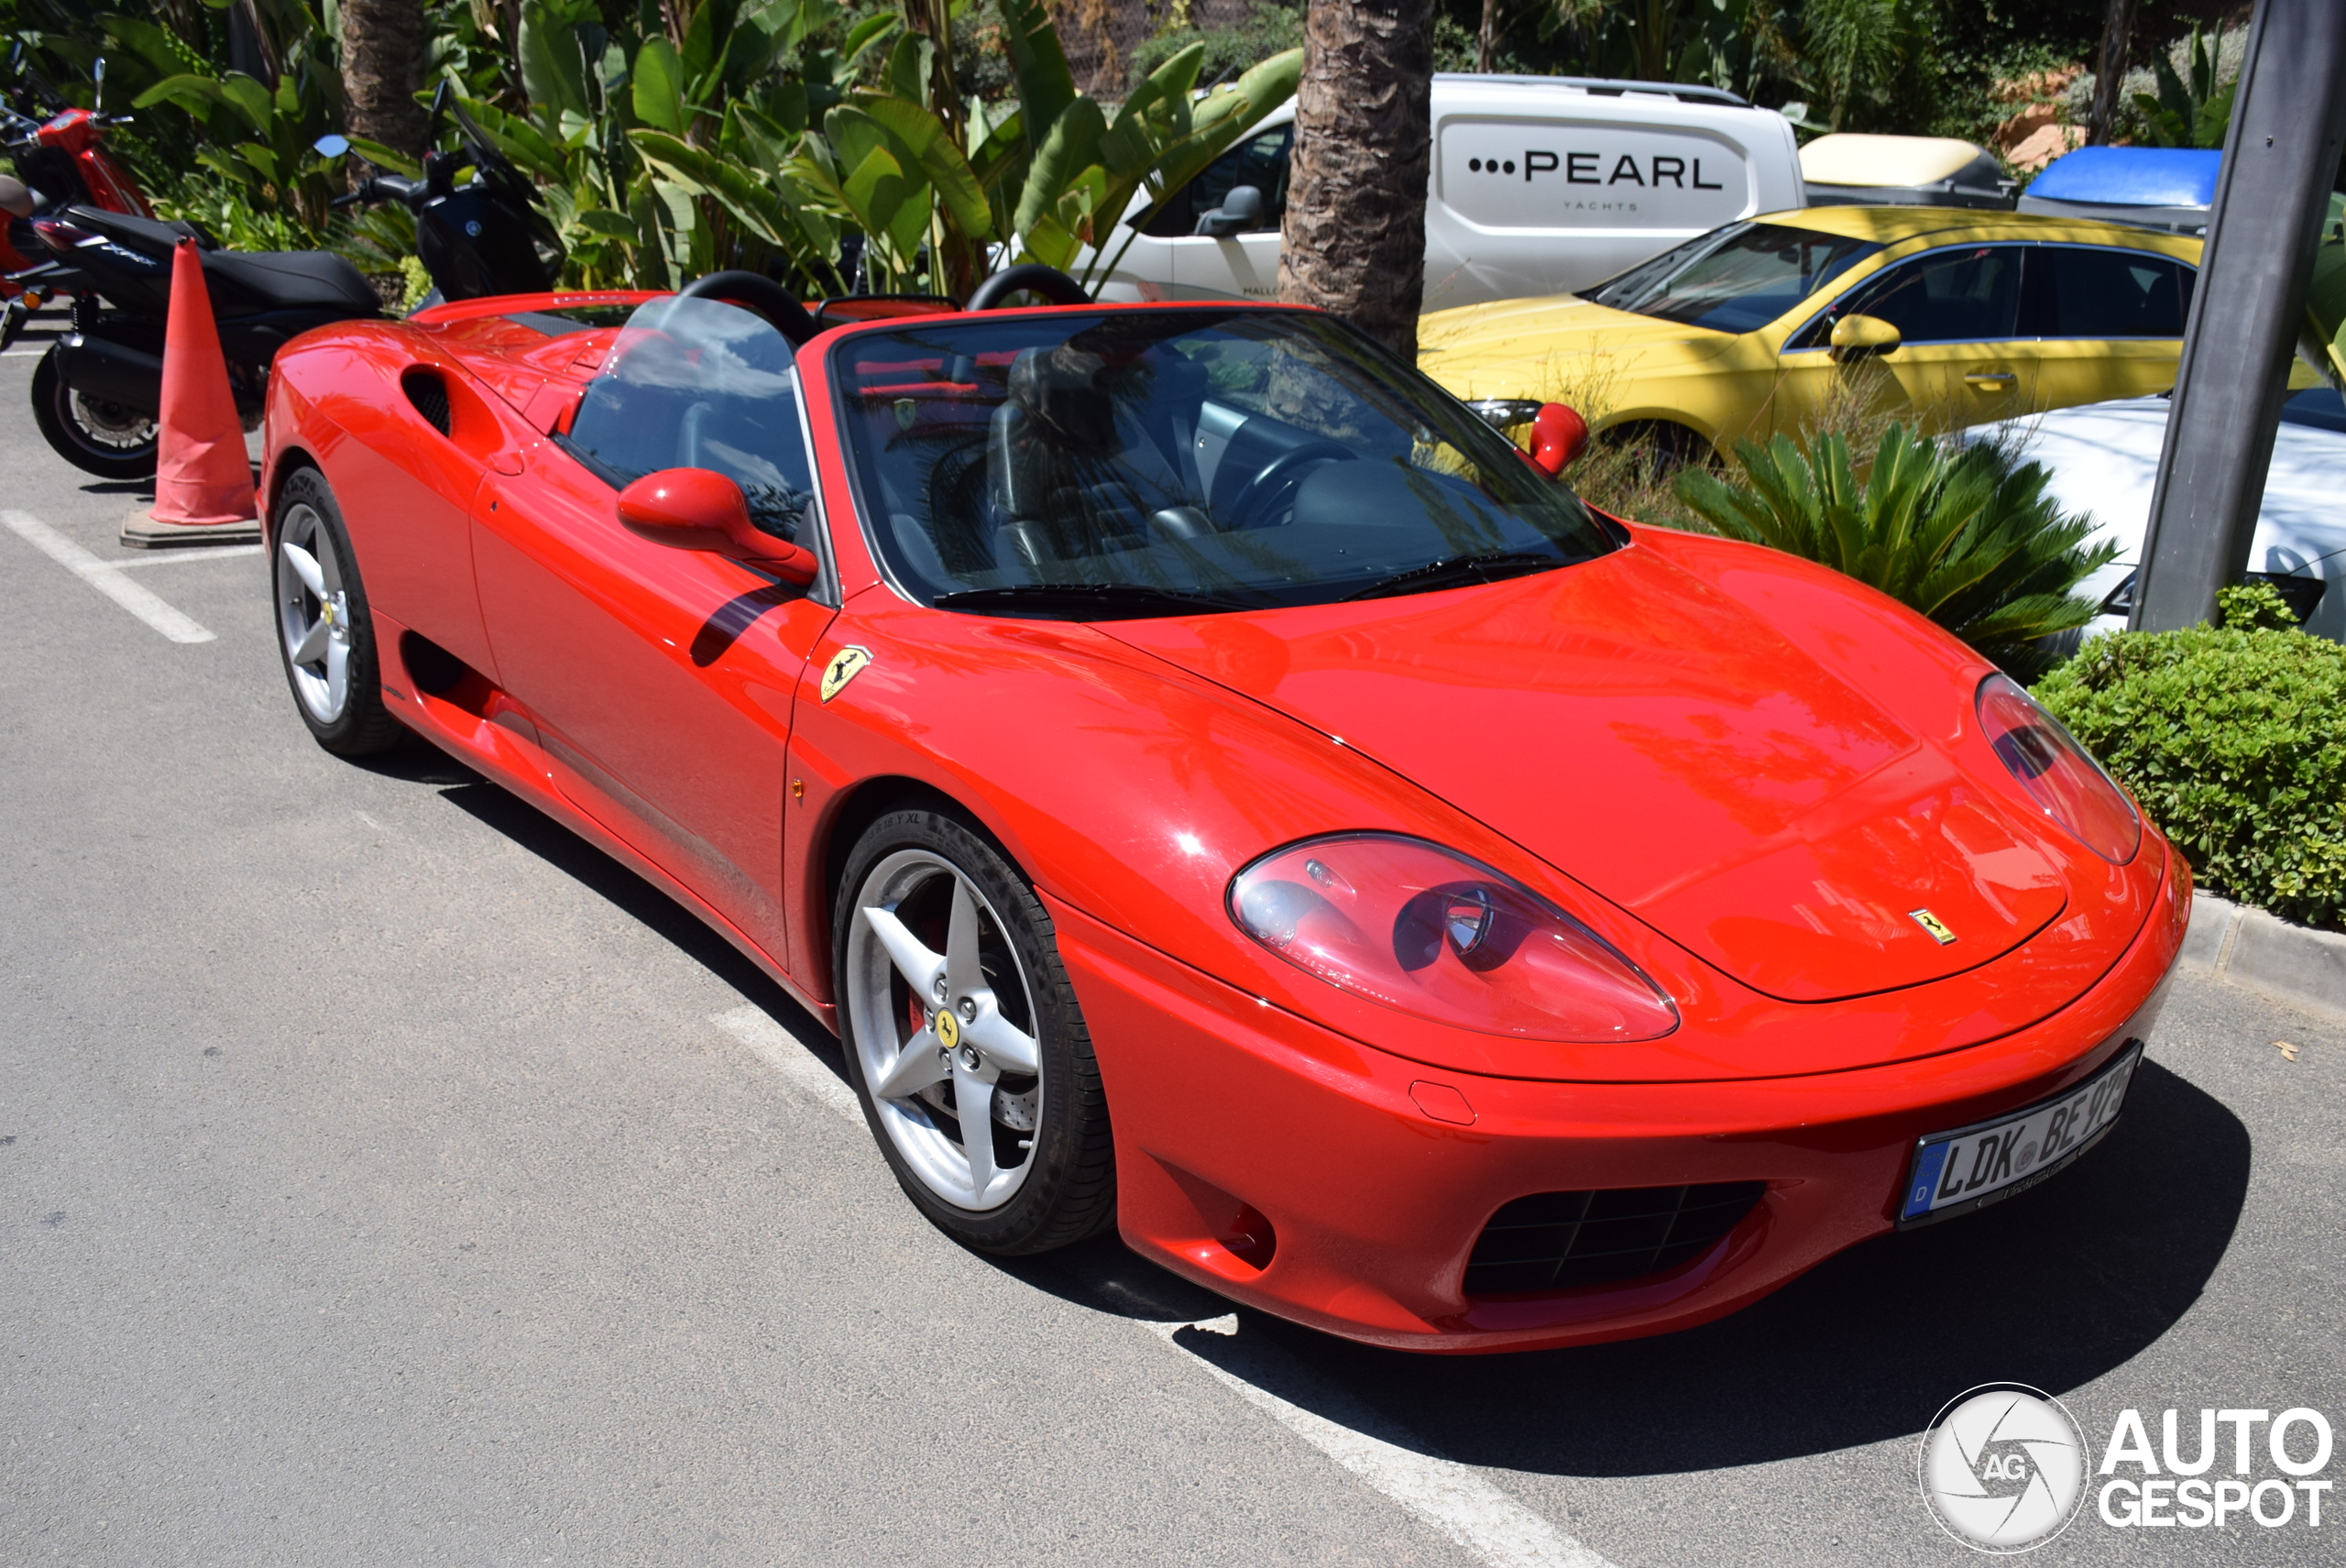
[2280, 156]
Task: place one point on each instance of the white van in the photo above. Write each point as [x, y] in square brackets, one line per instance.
[1539, 185]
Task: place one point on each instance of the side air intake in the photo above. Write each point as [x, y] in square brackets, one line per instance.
[429, 393]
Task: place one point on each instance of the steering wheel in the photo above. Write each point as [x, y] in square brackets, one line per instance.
[1279, 471]
[759, 295]
[1027, 278]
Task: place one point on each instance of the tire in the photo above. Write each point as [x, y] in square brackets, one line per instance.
[325, 634]
[1672, 446]
[95, 436]
[911, 879]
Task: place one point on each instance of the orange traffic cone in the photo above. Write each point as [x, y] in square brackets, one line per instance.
[204, 484]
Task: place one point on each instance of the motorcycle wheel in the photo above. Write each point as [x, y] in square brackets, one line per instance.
[95, 436]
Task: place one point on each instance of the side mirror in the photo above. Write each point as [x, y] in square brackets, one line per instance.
[1240, 211]
[1559, 435]
[98, 76]
[1856, 337]
[699, 509]
[331, 146]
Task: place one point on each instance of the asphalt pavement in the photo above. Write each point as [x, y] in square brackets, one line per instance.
[388, 1177]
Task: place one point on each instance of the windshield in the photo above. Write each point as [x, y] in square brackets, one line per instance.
[696, 383]
[1099, 467]
[1735, 278]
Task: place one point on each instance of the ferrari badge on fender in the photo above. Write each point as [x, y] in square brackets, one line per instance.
[848, 663]
[1922, 918]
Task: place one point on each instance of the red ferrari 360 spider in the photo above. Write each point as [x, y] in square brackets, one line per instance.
[1216, 786]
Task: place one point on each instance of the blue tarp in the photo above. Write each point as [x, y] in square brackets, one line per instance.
[2131, 176]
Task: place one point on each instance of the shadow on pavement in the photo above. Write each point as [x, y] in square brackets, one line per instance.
[421, 763]
[533, 830]
[2054, 1288]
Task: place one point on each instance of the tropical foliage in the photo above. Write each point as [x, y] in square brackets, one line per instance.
[1964, 536]
[2234, 740]
[914, 143]
[2189, 110]
[787, 136]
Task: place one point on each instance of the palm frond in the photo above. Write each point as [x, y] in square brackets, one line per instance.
[1968, 536]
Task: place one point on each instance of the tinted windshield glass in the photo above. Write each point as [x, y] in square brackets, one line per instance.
[1735, 278]
[1238, 458]
[696, 384]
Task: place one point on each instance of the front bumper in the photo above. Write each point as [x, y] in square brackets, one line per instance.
[1293, 1169]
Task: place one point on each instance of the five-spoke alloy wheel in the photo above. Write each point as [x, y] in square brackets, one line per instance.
[323, 628]
[964, 1040]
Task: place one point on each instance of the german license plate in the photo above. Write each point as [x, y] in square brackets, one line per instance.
[1953, 1173]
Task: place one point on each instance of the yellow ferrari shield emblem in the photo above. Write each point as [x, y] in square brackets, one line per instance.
[1933, 923]
[845, 665]
[947, 1027]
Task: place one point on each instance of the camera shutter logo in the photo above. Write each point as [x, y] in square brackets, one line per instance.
[2004, 1467]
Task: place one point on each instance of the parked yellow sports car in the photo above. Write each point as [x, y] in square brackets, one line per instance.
[1747, 330]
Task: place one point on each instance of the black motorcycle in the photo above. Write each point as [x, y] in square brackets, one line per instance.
[97, 393]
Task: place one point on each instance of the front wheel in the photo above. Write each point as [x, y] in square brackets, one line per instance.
[964, 1041]
[107, 439]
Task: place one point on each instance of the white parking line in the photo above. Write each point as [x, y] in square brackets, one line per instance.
[105, 577]
[805, 1080]
[170, 556]
[1455, 1500]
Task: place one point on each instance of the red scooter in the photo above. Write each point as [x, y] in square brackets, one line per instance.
[63, 161]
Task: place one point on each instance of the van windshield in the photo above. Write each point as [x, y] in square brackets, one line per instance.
[1737, 279]
[1083, 465]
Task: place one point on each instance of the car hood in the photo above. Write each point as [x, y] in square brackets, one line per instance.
[1511, 348]
[2103, 461]
[1657, 737]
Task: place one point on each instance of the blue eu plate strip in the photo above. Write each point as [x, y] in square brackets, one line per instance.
[1925, 1180]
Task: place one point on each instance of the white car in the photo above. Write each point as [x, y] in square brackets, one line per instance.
[1539, 185]
[2104, 460]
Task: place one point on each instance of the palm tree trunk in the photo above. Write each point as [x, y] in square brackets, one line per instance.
[382, 64]
[1487, 42]
[2117, 32]
[1354, 242]
[1653, 39]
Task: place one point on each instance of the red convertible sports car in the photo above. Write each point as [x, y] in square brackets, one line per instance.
[1217, 787]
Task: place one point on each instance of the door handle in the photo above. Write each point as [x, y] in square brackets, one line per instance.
[1992, 381]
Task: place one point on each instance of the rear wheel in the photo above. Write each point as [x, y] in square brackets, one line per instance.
[964, 1040]
[323, 630]
[96, 436]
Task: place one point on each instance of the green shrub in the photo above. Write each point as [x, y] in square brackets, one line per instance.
[1270, 27]
[1964, 536]
[2234, 740]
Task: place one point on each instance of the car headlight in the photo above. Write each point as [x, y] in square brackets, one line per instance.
[1426, 931]
[2059, 774]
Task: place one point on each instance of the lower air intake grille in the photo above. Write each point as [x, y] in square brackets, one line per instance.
[1555, 1241]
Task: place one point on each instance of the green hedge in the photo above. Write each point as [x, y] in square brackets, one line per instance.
[2234, 740]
